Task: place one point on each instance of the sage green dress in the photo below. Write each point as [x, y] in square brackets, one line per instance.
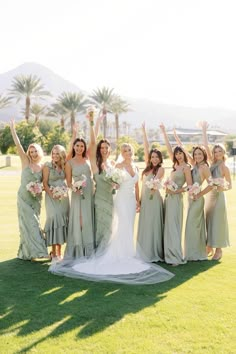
[150, 227]
[195, 231]
[57, 211]
[80, 241]
[173, 223]
[103, 203]
[32, 243]
[216, 214]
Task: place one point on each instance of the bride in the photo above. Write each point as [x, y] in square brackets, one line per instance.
[119, 261]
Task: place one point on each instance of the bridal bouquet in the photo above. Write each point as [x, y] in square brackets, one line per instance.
[59, 192]
[35, 188]
[115, 176]
[171, 185]
[90, 113]
[218, 182]
[153, 184]
[194, 190]
[79, 185]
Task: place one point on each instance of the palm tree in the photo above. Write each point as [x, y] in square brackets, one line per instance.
[57, 110]
[72, 103]
[37, 110]
[4, 101]
[118, 106]
[103, 97]
[27, 87]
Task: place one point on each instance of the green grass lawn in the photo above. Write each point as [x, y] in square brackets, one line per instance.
[194, 312]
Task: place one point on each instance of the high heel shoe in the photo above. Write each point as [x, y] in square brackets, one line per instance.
[217, 256]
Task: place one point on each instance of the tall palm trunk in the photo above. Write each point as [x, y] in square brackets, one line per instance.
[104, 111]
[72, 121]
[62, 121]
[27, 109]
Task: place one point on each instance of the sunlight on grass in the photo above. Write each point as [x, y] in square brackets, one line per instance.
[51, 291]
[73, 296]
[112, 292]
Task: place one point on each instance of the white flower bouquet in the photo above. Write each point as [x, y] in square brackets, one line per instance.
[115, 176]
[218, 182]
[79, 185]
[153, 184]
[194, 190]
[171, 185]
[59, 192]
[35, 188]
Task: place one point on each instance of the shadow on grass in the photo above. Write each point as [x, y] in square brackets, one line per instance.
[32, 299]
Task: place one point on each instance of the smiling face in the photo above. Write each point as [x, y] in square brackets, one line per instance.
[155, 160]
[35, 153]
[198, 156]
[104, 150]
[218, 153]
[126, 151]
[56, 158]
[79, 148]
[179, 156]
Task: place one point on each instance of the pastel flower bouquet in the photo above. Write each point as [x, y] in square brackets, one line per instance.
[171, 185]
[115, 176]
[90, 112]
[79, 185]
[194, 190]
[218, 182]
[59, 192]
[35, 188]
[153, 184]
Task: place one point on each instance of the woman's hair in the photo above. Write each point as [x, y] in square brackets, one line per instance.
[203, 150]
[98, 153]
[85, 146]
[175, 161]
[221, 146]
[124, 146]
[37, 148]
[150, 166]
[62, 154]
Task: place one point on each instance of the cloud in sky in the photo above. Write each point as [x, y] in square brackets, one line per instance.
[180, 52]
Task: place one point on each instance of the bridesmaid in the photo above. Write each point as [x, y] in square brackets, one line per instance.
[80, 242]
[173, 223]
[57, 209]
[32, 243]
[150, 227]
[103, 200]
[216, 212]
[195, 230]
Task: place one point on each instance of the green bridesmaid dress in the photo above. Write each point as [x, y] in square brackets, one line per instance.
[216, 215]
[195, 231]
[32, 243]
[150, 227]
[103, 203]
[57, 211]
[80, 241]
[173, 223]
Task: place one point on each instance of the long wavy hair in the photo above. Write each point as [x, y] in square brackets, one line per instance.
[38, 149]
[85, 147]
[203, 150]
[150, 166]
[175, 161]
[220, 146]
[99, 160]
[62, 154]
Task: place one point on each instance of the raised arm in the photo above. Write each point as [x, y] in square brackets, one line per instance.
[145, 143]
[169, 149]
[97, 125]
[179, 142]
[23, 156]
[92, 145]
[204, 126]
[73, 137]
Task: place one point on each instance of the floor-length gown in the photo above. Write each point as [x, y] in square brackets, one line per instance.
[103, 206]
[173, 222]
[150, 228]
[216, 214]
[57, 211]
[32, 243]
[80, 241]
[195, 231]
[118, 262]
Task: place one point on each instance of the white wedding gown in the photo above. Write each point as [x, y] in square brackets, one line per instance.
[118, 263]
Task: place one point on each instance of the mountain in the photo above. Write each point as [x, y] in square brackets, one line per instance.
[151, 112]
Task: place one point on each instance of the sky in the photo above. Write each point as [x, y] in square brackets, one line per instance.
[170, 51]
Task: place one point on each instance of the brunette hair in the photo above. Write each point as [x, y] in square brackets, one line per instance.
[175, 161]
[98, 153]
[150, 166]
[85, 147]
[203, 150]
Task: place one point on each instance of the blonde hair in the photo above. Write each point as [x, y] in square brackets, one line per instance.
[126, 145]
[221, 146]
[62, 154]
[37, 148]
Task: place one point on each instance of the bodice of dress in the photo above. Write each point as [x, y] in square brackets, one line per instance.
[55, 178]
[80, 169]
[215, 170]
[196, 175]
[28, 176]
[178, 177]
[128, 183]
